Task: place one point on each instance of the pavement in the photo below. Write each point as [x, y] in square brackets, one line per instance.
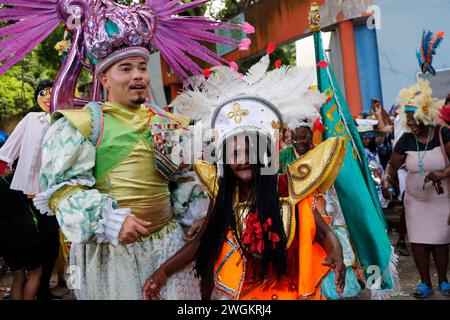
[409, 276]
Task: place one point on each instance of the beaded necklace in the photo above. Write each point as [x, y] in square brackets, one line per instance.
[422, 156]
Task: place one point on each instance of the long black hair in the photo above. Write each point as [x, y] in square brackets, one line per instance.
[265, 200]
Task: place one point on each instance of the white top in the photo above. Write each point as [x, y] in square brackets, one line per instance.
[25, 143]
[398, 129]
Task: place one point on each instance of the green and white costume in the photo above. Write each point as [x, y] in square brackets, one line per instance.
[99, 166]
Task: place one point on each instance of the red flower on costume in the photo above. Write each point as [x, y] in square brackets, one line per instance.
[253, 235]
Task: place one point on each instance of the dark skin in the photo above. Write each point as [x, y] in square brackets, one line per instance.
[397, 160]
[302, 140]
[421, 252]
[324, 236]
[366, 142]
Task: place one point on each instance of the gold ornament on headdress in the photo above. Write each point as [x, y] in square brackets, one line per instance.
[237, 113]
[314, 17]
[64, 45]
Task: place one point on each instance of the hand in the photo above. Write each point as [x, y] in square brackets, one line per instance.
[153, 285]
[389, 128]
[6, 172]
[336, 263]
[194, 230]
[377, 108]
[4, 169]
[132, 229]
[434, 176]
[386, 189]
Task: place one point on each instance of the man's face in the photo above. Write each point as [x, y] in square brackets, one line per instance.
[127, 82]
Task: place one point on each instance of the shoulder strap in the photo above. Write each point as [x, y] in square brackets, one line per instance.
[441, 141]
[207, 173]
[88, 121]
[166, 116]
[97, 123]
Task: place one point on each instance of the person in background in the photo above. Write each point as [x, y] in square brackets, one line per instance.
[285, 138]
[19, 240]
[425, 150]
[366, 129]
[385, 124]
[401, 247]
[444, 115]
[25, 144]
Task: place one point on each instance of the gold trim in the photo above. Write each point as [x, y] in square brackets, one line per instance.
[322, 176]
[243, 260]
[319, 283]
[207, 173]
[79, 118]
[291, 223]
[62, 193]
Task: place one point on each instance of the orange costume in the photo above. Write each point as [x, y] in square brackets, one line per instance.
[306, 177]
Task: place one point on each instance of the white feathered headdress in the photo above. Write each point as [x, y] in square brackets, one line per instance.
[259, 100]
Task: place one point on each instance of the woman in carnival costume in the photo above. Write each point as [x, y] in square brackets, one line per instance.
[304, 119]
[264, 237]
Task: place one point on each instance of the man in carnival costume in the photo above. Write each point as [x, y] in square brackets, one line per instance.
[249, 248]
[105, 168]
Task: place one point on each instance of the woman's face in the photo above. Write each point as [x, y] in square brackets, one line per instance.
[366, 142]
[416, 129]
[238, 160]
[302, 140]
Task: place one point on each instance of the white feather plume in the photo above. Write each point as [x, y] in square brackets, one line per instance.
[288, 88]
[257, 71]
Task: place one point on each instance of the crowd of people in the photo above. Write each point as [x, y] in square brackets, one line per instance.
[259, 217]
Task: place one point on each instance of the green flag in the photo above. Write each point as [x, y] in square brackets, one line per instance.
[355, 188]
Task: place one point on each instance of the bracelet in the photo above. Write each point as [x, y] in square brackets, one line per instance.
[388, 176]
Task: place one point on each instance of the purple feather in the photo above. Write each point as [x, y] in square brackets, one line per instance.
[35, 20]
[186, 7]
